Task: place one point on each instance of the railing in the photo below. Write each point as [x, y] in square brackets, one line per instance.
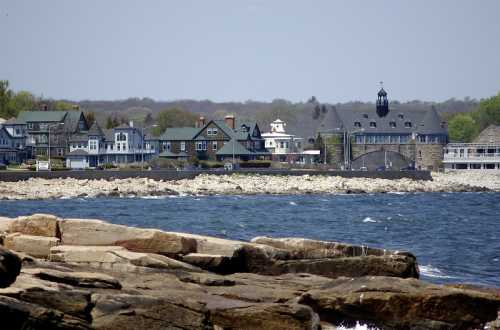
[473, 156]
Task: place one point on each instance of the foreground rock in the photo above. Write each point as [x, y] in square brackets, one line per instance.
[36, 246]
[10, 266]
[400, 304]
[211, 283]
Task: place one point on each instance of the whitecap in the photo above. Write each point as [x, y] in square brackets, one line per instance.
[153, 197]
[368, 219]
[293, 203]
[358, 326]
[431, 271]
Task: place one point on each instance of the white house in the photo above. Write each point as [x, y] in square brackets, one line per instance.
[286, 147]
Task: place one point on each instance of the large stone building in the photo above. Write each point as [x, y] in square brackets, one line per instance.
[385, 138]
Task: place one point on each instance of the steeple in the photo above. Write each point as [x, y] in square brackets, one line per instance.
[382, 102]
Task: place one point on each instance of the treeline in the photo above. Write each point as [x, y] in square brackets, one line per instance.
[465, 126]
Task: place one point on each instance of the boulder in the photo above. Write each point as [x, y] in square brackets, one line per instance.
[214, 263]
[127, 311]
[302, 248]
[389, 302]
[36, 246]
[266, 316]
[98, 233]
[36, 225]
[214, 245]
[10, 266]
[114, 258]
[5, 224]
[17, 314]
[81, 279]
[273, 261]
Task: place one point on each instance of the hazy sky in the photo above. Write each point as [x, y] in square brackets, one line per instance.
[259, 50]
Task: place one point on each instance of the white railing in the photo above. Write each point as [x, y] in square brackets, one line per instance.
[473, 157]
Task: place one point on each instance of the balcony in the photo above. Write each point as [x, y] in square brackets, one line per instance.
[472, 157]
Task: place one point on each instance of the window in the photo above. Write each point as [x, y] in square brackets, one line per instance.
[282, 145]
[400, 116]
[357, 124]
[214, 131]
[360, 139]
[183, 146]
[404, 138]
[168, 146]
[214, 145]
[124, 147]
[79, 145]
[392, 124]
[18, 131]
[30, 125]
[201, 145]
[121, 137]
[93, 145]
[407, 124]
[394, 139]
[365, 115]
[111, 146]
[118, 146]
[373, 124]
[60, 151]
[209, 131]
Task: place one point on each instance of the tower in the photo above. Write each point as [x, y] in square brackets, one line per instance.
[382, 102]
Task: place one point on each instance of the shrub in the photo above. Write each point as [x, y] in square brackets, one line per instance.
[256, 163]
[208, 164]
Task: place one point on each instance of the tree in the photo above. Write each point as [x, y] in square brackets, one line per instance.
[90, 115]
[316, 112]
[488, 112]
[462, 128]
[6, 110]
[23, 101]
[148, 120]
[175, 117]
[320, 145]
[62, 106]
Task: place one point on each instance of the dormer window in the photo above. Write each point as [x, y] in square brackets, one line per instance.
[245, 128]
[373, 124]
[365, 115]
[443, 124]
[357, 124]
[392, 124]
[407, 124]
[401, 116]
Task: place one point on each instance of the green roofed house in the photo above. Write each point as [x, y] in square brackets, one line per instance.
[215, 140]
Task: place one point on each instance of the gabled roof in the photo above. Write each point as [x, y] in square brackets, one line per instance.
[179, 134]
[239, 149]
[95, 130]
[71, 120]
[239, 132]
[41, 116]
[78, 152]
[490, 135]
[431, 123]
[169, 154]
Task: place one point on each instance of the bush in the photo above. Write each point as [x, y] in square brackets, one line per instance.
[256, 163]
[208, 164]
[162, 163]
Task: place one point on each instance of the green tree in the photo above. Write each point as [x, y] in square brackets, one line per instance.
[6, 110]
[22, 101]
[63, 106]
[488, 112]
[462, 128]
[175, 117]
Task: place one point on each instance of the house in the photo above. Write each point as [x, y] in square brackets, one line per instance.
[286, 147]
[57, 126]
[215, 140]
[482, 154]
[123, 144]
[12, 141]
[385, 138]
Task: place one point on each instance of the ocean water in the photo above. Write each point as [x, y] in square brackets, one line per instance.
[455, 236]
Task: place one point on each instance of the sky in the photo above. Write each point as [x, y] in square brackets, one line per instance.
[226, 50]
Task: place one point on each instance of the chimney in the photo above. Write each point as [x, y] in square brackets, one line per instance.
[229, 120]
[200, 122]
[45, 107]
[131, 123]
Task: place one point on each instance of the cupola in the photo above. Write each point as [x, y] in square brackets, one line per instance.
[382, 102]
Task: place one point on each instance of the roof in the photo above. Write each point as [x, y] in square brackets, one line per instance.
[239, 149]
[425, 122]
[12, 121]
[77, 152]
[71, 120]
[432, 123]
[179, 133]
[382, 92]
[79, 138]
[239, 132]
[42, 116]
[169, 154]
[123, 125]
[490, 135]
[332, 122]
[95, 130]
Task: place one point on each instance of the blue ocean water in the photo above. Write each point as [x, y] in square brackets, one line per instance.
[455, 236]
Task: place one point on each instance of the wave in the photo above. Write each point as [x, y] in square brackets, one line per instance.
[293, 203]
[431, 271]
[368, 219]
[358, 326]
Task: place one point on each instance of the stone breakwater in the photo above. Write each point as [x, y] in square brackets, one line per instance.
[241, 184]
[89, 274]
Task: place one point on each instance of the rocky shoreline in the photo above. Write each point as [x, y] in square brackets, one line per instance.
[241, 184]
[89, 274]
